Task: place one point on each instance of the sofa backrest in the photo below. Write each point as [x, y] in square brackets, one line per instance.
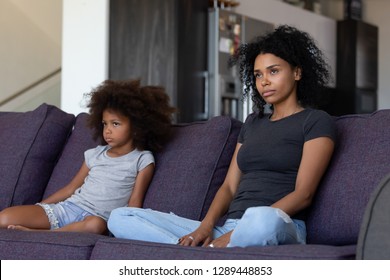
[192, 166]
[31, 143]
[72, 156]
[189, 170]
[361, 160]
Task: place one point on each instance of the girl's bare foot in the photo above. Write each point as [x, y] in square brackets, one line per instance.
[16, 227]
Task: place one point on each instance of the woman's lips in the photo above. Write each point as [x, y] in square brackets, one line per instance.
[268, 93]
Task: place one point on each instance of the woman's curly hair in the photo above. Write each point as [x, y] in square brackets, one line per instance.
[147, 108]
[296, 47]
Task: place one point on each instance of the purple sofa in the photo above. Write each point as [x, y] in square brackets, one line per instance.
[42, 149]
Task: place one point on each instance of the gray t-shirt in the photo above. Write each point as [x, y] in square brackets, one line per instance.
[270, 156]
[110, 180]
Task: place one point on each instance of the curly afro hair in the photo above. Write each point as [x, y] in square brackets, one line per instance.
[146, 107]
[296, 47]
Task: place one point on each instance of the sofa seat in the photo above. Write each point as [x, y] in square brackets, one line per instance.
[119, 249]
[33, 245]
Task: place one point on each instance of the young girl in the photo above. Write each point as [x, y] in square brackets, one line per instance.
[279, 158]
[133, 121]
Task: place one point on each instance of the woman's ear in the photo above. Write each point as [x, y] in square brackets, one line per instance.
[298, 73]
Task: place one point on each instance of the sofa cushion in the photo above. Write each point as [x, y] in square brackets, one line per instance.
[192, 166]
[360, 161]
[72, 156]
[30, 145]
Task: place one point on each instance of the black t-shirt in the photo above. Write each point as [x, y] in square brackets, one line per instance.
[270, 155]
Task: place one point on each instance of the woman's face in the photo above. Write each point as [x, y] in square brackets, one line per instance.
[276, 80]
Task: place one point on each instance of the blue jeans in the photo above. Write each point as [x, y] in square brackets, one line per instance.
[259, 226]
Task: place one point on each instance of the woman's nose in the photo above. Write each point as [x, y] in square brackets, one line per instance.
[264, 82]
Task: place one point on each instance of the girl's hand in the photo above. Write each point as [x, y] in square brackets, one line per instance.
[199, 236]
[220, 242]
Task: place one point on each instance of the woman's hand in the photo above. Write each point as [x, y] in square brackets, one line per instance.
[199, 236]
[220, 242]
[195, 238]
[203, 235]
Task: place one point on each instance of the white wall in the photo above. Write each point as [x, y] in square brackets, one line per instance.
[84, 50]
[30, 48]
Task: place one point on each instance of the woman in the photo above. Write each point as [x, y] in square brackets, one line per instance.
[278, 161]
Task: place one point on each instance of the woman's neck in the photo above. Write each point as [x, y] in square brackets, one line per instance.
[280, 113]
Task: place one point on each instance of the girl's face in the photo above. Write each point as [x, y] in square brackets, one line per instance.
[117, 132]
[276, 80]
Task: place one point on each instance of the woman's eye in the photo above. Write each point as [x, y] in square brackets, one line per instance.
[274, 71]
[258, 76]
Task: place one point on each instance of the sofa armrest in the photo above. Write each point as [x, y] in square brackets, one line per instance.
[374, 241]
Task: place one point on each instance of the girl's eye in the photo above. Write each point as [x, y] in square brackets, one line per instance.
[274, 71]
[116, 124]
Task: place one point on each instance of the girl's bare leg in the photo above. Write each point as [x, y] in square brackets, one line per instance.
[28, 216]
[91, 224]
[33, 217]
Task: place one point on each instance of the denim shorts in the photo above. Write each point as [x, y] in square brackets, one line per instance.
[63, 213]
